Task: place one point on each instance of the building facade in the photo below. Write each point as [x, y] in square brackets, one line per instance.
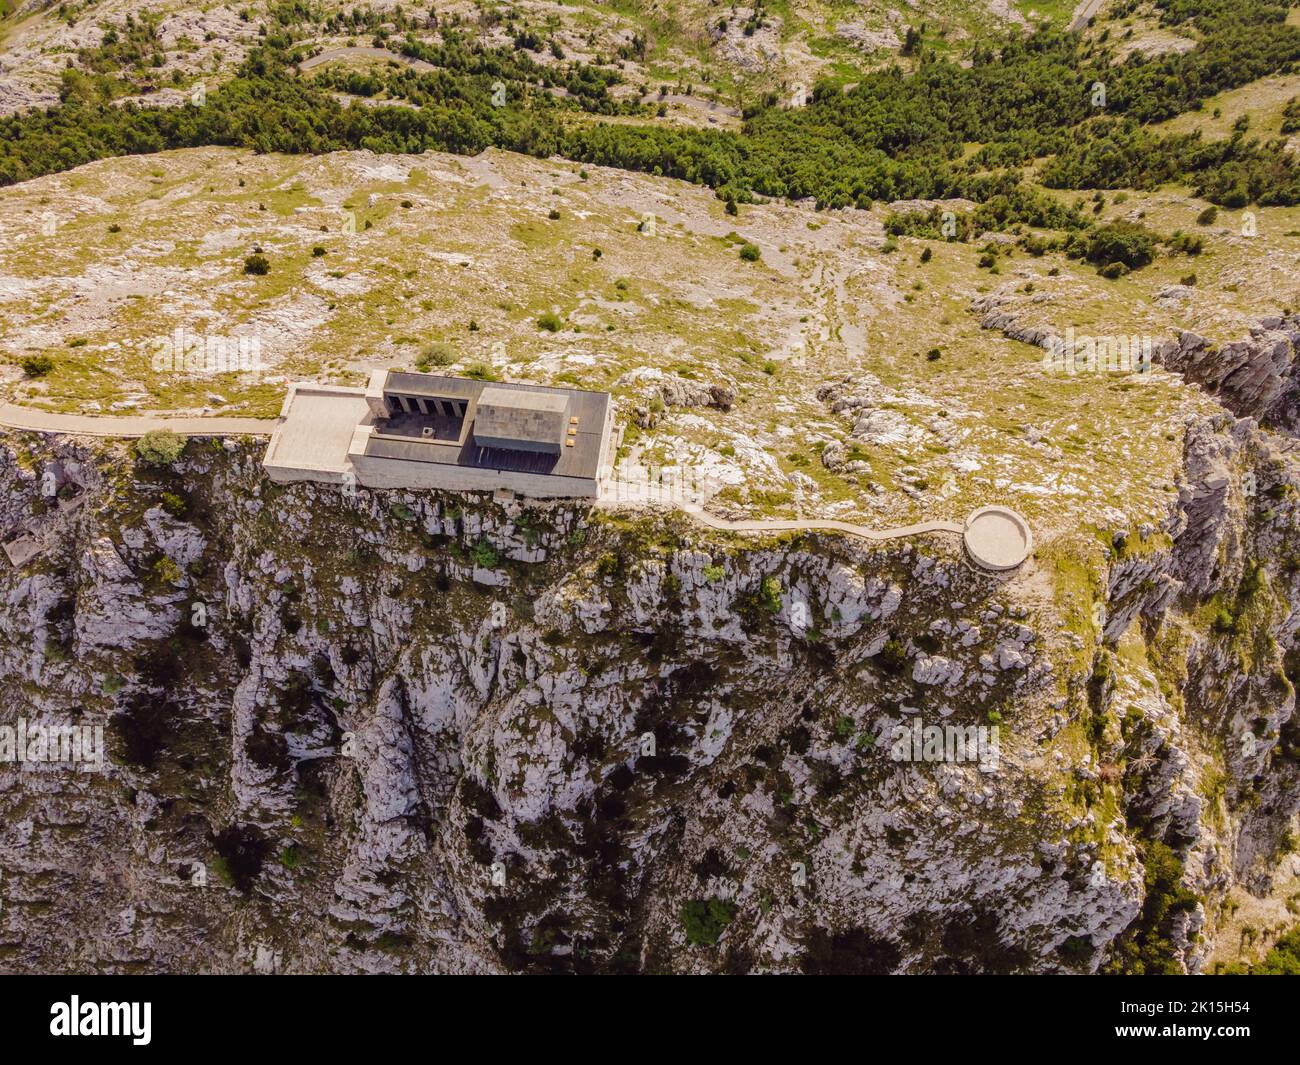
[416, 430]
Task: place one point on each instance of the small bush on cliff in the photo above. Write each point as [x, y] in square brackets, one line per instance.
[484, 555]
[706, 919]
[173, 504]
[1145, 948]
[241, 849]
[893, 656]
[167, 571]
[1283, 959]
[160, 447]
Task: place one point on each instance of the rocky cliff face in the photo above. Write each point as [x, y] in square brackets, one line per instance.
[1254, 376]
[402, 732]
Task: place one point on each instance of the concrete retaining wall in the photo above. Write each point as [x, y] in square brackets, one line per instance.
[395, 473]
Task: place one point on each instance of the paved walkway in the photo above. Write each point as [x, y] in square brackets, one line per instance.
[995, 537]
[764, 526]
[39, 421]
[1084, 12]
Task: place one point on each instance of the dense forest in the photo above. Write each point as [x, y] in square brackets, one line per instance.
[1047, 101]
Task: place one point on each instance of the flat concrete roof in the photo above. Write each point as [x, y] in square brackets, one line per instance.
[503, 415]
[317, 427]
[432, 384]
[582, 460]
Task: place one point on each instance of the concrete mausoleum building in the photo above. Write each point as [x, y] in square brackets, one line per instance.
[417, 430]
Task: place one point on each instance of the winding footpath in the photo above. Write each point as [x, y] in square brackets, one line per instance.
[997, 538]
[832, 524]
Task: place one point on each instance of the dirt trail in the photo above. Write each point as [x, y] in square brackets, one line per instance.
[331, 54]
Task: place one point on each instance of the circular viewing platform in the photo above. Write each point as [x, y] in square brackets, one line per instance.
[997, 538]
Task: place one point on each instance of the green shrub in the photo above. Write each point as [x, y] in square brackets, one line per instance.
[167, 571]
[436, 354]
[257, 264]
[1208, 216]
[1187, 243]
[551, 322]
[1283, 959]
[706, 919]
[893, 656]
[751, 253]
[484, 555]
[36, 365]
[160, 447]
[1145, 947]
[1120, 242]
